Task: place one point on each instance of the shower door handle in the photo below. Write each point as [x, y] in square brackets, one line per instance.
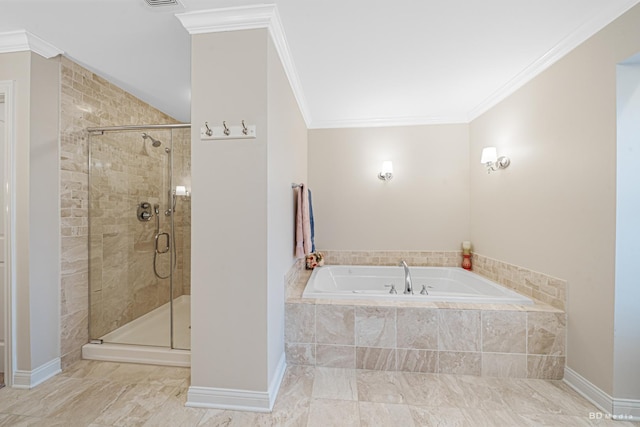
[167, 245]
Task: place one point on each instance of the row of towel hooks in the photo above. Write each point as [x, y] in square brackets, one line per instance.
[226, 131]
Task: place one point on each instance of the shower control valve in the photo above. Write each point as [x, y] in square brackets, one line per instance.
[144, 212]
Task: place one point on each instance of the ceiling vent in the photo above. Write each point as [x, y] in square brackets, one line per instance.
[159, 3]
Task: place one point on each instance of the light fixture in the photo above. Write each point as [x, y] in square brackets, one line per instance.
[491, 160]
[387, 171]
[181, 190]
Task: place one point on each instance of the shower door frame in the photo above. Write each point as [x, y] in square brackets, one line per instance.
[101, 131]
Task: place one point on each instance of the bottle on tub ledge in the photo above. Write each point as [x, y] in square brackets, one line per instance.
[466, 255]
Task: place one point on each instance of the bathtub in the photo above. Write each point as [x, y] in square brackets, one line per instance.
[443, 284]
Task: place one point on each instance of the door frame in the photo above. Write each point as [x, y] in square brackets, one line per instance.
[8, 226]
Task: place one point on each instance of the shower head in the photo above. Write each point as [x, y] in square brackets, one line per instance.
[154, 141]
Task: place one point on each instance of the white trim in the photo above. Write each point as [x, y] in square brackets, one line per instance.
[566, 45]
[222, 398]
[22, 40]
[386, 122]
[623, 409]
[628, 408]
[278, 376]
[250, 18]
[147, 355]
[228, 19]
[8, 182]
[30, 379]
[580, 384]
[238, 400]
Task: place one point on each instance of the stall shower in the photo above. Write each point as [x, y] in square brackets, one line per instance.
[140, 240]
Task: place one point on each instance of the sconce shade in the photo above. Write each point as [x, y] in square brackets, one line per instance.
[491, 160]
[387, 167]
[489, 155]
[386, 172]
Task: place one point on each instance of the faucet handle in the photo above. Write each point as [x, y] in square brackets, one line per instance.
[424, 290]
[393, 288]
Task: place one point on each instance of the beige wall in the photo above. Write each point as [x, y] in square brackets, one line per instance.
[286, 163]
[424, 207]
[36, 239]
[17, 67]
[44, 206]
[553, 209]
[229, 213]
[242, 221]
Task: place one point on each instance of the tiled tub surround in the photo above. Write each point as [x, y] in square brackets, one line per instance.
[472, 339]
[542, 287]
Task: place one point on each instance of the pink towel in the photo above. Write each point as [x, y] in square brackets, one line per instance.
[303, 223]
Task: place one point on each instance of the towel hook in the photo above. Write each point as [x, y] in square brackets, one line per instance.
[245, 131]
[226, 129]
[209, 132]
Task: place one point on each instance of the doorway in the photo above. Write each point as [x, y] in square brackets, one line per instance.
[2, 284]
[7, 142]
[626, 376]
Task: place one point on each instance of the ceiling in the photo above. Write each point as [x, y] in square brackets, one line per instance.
[359, 62]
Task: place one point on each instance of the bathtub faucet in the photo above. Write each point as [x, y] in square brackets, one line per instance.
[408, 288]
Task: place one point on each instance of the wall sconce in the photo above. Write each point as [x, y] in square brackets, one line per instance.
[387, 171]
[181, 190]
[491, 160]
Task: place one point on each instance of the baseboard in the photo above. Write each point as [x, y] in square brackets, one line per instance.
[619, 409]
[147, 355]
[238, 400]
[30, 379]
[629, 409]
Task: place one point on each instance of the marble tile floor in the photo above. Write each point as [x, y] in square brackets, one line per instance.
[95, 394]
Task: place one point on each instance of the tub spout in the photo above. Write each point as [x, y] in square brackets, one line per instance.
[408, 287]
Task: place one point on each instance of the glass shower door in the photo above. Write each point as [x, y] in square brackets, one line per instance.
[181, 193]
[132, 252]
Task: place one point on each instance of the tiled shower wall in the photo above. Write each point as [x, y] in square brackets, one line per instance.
[126, 171]
[182, 214]
[87, 100]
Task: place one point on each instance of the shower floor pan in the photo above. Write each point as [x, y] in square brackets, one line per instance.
[147, 338]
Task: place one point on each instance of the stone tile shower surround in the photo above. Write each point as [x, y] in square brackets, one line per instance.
[123, 285]
[470, 339]
[87, 100]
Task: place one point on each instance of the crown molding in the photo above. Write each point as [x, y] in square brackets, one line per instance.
[387, 122]
[228, 19]
[573, 40]
[250, 18]
[22, 40]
